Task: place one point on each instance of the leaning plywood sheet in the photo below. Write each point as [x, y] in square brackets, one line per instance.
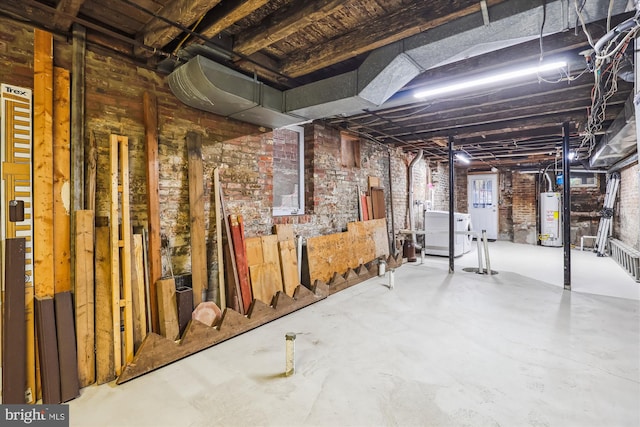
[327, 255]
[289, 265]
[373, 233]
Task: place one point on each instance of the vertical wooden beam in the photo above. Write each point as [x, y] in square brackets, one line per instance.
[221, 283]
[43, 163]
[77, 116]
[84, 296]
[196, 212]
[14, 336]
[105, 369]
[90, 173]
[153, 202]
[61, 182]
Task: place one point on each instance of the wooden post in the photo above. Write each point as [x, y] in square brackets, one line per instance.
[61, 182]
[43, 164]
[91, 172]
[216, 203]
[196, 211]
[84, 296]
[153, 202]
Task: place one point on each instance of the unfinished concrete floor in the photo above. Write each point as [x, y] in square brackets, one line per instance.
[437, 350]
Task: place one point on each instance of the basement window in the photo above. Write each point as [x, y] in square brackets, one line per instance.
[584, 179]
[288, 171]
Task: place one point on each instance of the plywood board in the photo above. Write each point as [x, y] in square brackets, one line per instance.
[264, 279]
[327, 255]
[61, 182]
[167, 308]
[284, 232]
[254, 251]
[105, 368]
[196, 212]
[84, 296]
[289, 265]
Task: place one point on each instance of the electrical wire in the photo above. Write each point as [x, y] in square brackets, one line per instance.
[544, 19]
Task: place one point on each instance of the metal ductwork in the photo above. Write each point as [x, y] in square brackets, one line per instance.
[207, 85]
[619, 141]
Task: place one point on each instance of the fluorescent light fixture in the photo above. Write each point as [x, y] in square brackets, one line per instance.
[494, 78]
[571, 155]
[464, 159]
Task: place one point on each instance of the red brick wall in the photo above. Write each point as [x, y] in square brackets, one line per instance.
[627, 210]
[243, 152]
[524, 208]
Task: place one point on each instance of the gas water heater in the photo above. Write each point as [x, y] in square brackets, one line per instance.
[550, 219]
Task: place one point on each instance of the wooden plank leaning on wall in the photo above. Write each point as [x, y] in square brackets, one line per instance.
[153, 202]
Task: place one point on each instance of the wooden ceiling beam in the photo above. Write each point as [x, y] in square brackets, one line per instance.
[411, 20]
[281, 25]
[157, 33]
[238, 12]
[66, 10]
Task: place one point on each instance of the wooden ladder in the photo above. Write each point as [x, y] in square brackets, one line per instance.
[120, 244]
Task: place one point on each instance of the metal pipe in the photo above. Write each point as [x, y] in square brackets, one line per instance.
[412, 165]
[392, 242]
[546, 175]
[566, 206]
[290, 366]
[486, 251]
[451, 206]
[479, 244]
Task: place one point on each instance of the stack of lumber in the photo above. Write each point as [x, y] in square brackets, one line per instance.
[372, 203]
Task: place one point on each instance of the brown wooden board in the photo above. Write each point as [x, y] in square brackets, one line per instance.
[378, 202]
[240, 251]
[369, 207]
[233, 280]
[48, 350]
[167, 308]
[105, 368]
[289, 265]
[69, 381]
[234, 300]
[196, 212]
[43, 241]
[61, 179]
[84, 296]
[365, 207]
[150, 110]
[157, 351]
[219, 251]
[14, 334]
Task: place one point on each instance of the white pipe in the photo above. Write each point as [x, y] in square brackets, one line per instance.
[546, 175]
[415, 160]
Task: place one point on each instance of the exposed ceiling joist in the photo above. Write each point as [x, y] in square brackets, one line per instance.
[233, 15]
[69, 9]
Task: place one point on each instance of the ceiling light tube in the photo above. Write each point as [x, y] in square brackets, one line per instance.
[490, 79]
[464, 159]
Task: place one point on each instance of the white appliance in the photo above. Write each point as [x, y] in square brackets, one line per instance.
[436, 225]
[550, 219]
